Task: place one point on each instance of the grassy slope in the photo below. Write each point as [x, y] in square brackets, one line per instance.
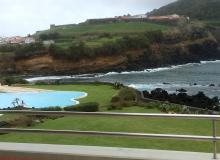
[102, 94]
[89, 33]
[109, 28]
[100, 41]
[6, 53]
[213, 23]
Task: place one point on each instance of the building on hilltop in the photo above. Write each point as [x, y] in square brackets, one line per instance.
[14, 40]
[139, 16]
[167, 17]
[124, 18]
[48, 42]
[29, 39]
[53, 26]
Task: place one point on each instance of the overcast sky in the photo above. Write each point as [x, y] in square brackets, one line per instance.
[21, 17]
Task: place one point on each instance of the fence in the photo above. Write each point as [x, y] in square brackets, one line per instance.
[214, 118]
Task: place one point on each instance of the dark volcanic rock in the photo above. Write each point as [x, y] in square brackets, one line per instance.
[181, 90]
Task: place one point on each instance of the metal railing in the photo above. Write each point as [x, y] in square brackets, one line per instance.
[214, 118]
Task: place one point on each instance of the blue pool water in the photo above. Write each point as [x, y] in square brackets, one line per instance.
[41, 99]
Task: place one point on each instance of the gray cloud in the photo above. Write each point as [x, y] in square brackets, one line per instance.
[20, 17]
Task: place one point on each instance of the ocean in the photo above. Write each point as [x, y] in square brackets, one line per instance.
[193, 77]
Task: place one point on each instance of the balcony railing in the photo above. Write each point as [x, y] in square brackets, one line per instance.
[214, 118]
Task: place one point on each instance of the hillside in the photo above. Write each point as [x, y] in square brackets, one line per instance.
[96, 48]
[96, 34]
[196, 9]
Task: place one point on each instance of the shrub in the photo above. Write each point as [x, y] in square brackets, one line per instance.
[105, 35]
[118, 85]
[127, 94]
[115, 106]
[126, 97]
[115, 99]
[8, 48]
[28, 50]
[12, 80]
[199, 100]
[155, 36]
[49, 36]
[84, 107]
[51, 109]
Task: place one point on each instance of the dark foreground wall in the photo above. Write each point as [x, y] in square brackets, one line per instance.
[12, 155]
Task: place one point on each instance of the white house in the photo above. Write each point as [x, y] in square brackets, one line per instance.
[48, 42]
[29, 40]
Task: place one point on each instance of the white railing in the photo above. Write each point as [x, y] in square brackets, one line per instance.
[214, 138]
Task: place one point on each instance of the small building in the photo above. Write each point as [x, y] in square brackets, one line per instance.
[14, 40]
[48, 42]
[167, 17]
[52, 26]
[29, 40]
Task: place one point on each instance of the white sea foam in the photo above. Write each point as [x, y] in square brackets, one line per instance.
[207, 62]
[82, 76]
[167, 86]
[153, 70]
[47, 78]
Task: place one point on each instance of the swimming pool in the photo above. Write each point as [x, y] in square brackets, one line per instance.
[41, 99]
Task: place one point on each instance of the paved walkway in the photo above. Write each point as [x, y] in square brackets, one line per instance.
[97, 153]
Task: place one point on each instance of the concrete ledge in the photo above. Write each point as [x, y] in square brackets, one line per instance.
[20, 151]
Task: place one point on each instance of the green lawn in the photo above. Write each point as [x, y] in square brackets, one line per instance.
[6, 53]
[101, 41]
[96, 92]
[89, 33]
[213, 23]
[96, 42]
[102, 94]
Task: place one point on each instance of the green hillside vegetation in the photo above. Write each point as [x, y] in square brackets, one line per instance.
[131, 27]
[136, 46]
[95, 35]
[196, 9]
[6, 53]
[215, 23]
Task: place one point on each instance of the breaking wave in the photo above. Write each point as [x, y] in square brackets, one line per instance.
[99, 75]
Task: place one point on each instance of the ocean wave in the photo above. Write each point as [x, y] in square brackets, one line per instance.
[99, 75]
[207, 62]
[160, 69]
[82, 76]
[153, 86]
[46, 78]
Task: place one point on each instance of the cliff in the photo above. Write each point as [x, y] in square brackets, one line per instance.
[156, 55]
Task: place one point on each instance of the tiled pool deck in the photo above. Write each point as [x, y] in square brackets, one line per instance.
[20, 151]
